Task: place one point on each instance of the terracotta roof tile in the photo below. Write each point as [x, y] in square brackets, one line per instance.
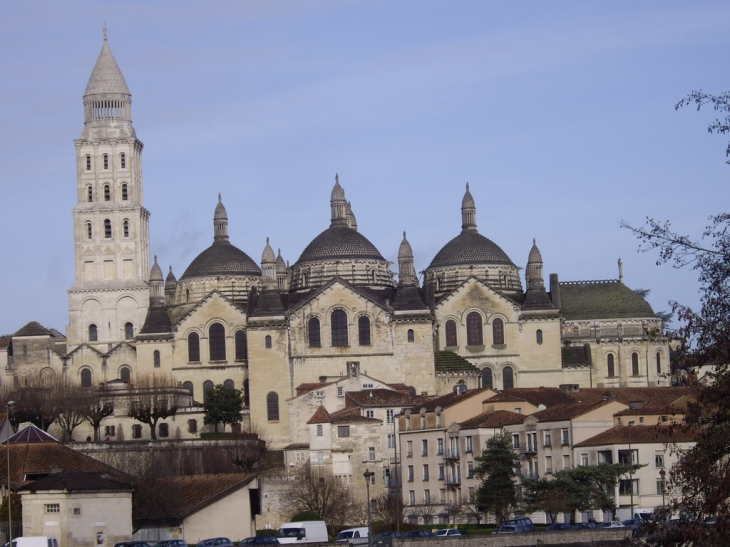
[352, 415]
[320, 416]
[297, 446]
[627, 395]
[450, 399]
[199, 491]
[561, 413]
[548, 396]
[498, 418]
[303, 389]
[643, 434]
[383, 397]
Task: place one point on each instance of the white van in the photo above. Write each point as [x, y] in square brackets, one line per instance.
[35, 541]
[353, 535]
[307, 531]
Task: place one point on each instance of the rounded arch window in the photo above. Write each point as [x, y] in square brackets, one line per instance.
[105, 158]
[207, 390]
[188, 386]
[314, 333]
[107, 193]
[89, 231]
[125, 228]
[86, 377]
[267, 342]
[156, 358]
[107, 228]
[611, 365]
[635, 364]
[93, 334]
[217, 342]
[193, 347]
[228, 384]
[272, 406]
[487, 378]
[411, 335]
[123, 160]
[88, 163]
[538, 336]
[474, 329]
[125, 374]
[451, 339]
[363, 330]
[241, 345]
[125, 192]
[339, 328]
[658, 362]
[498, 332]
[128, 331]
[508, 378]
[89, 194]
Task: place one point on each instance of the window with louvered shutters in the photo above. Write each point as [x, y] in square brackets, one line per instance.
[193, 347]
[498, 332]
[339, 328]
[315, 340]
[217, 342]
[451, 339]
[474, 329]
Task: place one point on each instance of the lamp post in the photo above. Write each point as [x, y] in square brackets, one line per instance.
[368, 475]
[663, 475]
[395, 474]
[8, 406]
[631, 472]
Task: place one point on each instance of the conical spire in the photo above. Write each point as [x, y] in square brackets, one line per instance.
[267, 256]
[170, 288]
[533, 272]
[351, 220]
[268, 267]
[280, 264]
[468, 212]
[220, 222]
[106, 76]
[156, 282]
[338, 204]
[406, 270]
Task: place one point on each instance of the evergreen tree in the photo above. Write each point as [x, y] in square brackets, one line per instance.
[223, 405]
[498, 491]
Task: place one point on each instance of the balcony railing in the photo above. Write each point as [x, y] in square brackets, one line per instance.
[424, 453]
[452, 454]
[453, 479]
[548, 443]
[409, 454]
[528, 449]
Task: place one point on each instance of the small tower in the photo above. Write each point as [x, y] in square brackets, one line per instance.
[156, 283]
[468, 212]
[351, 220]
[170, 288]
[406, 270]
[338, 204]
[268, 268]
[533, 273]
[282, 273]
[220, 222]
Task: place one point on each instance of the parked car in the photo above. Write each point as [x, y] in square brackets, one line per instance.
[589, 524]
[521, 521]
[306, 531]
[132, 544]
[352, 534]
[171, 543]
[35, 541]
[611, 524]
[419, 534]
[447, 532]
[632, 523]
[260, 540]
[559, 526]
[390, 534]
[511, 529]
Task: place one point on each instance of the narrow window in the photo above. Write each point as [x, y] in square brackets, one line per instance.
[658, 363]
[498, 332]
[538, 336]
[267, 342]
[217, 342]
[363, 328]
[106, 161]
[92, 333]
[128, 331]
[125, 195]
[89, 194]
[89, 231]
[474, 329]
[315, 339]
[241, 345]
[86, 378]
[189, 387]
[245, 393]
[487, 380]
[164, 430]
[107, 193]
[192, 426]
[451, 333]
[339, 328]
[136, 431]
[125, 228]
[107, 228]
[193, 347]
[411, 335]
[635, 364]
[508, 378]
[88, 163]
[123, 160]
[611, 366]
[156, 358]
[320, 430]
[124, 374]
[272, 406]
[207, 390]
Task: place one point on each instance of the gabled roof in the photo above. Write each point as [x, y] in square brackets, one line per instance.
[561, 413]
[199, 491]
[448, 361]
[499, 418]
[610, 299]
[643, 434]
[320, 416]
[382, 397]
[352, 415]
[303, 389]
[75, 482]
[476, 281]
[548, 396]
[157, 322]
[448, 400]
[346, 285]
[627, 395]
[33, 329]
[204, 300]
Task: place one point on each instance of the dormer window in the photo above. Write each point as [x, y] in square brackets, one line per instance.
[123, 160]
[106, 161]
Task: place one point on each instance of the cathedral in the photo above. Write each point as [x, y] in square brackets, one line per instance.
[339, 311]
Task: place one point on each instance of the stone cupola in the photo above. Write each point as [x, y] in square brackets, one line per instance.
[406, 270]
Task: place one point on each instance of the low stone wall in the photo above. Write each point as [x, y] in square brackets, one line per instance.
[589, 535]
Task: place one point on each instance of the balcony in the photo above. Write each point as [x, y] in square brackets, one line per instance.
[451, 454]
[409, 454]
[453, 480]
[548, 470]
[528, 449]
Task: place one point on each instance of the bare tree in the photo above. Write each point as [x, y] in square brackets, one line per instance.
[154, 398]
[72, 401]
[97, 405]
[388, 509]
[425, 510]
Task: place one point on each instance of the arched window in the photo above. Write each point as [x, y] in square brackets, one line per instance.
[228, 384]
[123, 160]
[245, 393]
[363, 330]
[508, 378]
[411, 335]
[474, 329]
[498, 332]
[538, 336]
[272, 406]
[451, 340]
[128, 331]
[207, 390]
[125, 228]
[89, 194]
[339, 328]
[315, 339]
[93, 336]
[193, 347]
[125, 195]
[156, 358]
[610, 365]
[89, 232]
[125, 374]
[217, 342]
[86, 378]
[241, 345]
[106, 161]
[658, 363]
[88, 163]
[267, 342]
[635, 364]
[189, 387]
[107, 228]
[107, 193]
[487, 378]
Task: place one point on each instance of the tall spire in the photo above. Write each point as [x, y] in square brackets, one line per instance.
[268, 268]
[338, 204]
[468, 212]
[406, 270]
[156, 283]
[220, 222]
[533, 272]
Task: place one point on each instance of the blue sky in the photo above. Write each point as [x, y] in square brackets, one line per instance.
[559, 114]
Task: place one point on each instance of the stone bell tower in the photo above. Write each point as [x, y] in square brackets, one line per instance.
[108, 301]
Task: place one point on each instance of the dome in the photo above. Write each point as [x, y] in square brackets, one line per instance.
[268, 254]
[470, 248]
[170, 279]
[535, 255]
[339, 242]
[405, 250]
[156, 272]
[468, 201]
[221, 258]
[220, 211]
[280, 264]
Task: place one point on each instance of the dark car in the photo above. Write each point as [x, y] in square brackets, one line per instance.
[390, 534]
[260, 540]
[589, 524]
[419, 534]
[512, 529]
[559, 526]
[132, 544]
[171, 543]
[215, 542]
[522, 521]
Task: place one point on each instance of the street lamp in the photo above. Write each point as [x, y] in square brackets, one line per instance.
[395, 474]
[663, 475]
[368, 475]
[631, 472]
[8, 406]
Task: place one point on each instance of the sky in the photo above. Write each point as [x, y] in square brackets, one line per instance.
[559, 114]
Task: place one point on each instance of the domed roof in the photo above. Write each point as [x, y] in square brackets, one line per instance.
[339, 242]
[468, 201]
[280, 264]
[535, 255]
[470, 247]
[268, 255]
[221, 258]
[405, 250]
[156, 272]
[220, 211]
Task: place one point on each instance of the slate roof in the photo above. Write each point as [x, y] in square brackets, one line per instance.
[156, 322]
[576, 356]
[339, 242]
[610, 299]
[320, 416]
[562, 413]
[548, 396]
[642, 434]
[33, 329]
[499, 418]
[448, 361]
[407, 298]
[106, 76]
[470, 248]
[199, 491]
[537, 299]
[75, 481]
[297, 446]
[268, 303]
[5, 341]
[221, 258]
[382, 397]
